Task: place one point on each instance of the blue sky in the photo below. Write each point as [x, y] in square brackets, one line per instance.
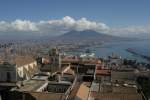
[112, 12]
[119, 17]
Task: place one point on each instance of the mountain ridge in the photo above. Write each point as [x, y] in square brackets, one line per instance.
[87, 35]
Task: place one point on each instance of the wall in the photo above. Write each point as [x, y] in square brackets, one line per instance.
[7, 73]
[26, 72]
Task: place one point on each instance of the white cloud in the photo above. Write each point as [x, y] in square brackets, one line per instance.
[24, 25]
[68, 23]
[65, 24]
[132, 30]
[60, 25]
[18, 25]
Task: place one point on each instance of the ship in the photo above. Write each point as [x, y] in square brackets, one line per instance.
[87, 55]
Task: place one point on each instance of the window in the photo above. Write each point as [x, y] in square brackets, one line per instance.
[8, 77]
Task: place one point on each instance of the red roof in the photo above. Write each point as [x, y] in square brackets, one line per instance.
[103, 72]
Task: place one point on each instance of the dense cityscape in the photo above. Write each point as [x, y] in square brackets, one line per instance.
[74, 50]
[32, 71]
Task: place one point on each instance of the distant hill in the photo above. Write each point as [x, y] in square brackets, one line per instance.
[88, 35]
[142, 36]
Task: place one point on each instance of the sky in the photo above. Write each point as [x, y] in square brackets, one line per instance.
[57, 16]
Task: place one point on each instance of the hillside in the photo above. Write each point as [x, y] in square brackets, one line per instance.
[87, 35]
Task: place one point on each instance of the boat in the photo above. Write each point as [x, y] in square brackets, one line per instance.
[83, 55]
[92, 55]
[87, 55]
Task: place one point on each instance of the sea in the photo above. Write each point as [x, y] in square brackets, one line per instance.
[119, 48]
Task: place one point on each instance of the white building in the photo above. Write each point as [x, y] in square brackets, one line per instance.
[22, 68]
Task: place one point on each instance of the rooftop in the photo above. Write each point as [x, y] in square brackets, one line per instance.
[83, 92]
[103, 72]
[117, 92]
[32, 85]
[19, 61]
[23, 60]
[68, 71]
[46, 95]
[40, 78]
[118, 96]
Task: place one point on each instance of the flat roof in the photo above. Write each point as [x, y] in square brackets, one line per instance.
[23, 60]
[118, 96]
[83, 92]
[74, 90]
[40, 78]
[8, 84]
[32, 85]
[47, 95]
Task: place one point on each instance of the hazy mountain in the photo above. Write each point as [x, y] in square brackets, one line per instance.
[23, 36]
[88, 35]
[142, 36]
